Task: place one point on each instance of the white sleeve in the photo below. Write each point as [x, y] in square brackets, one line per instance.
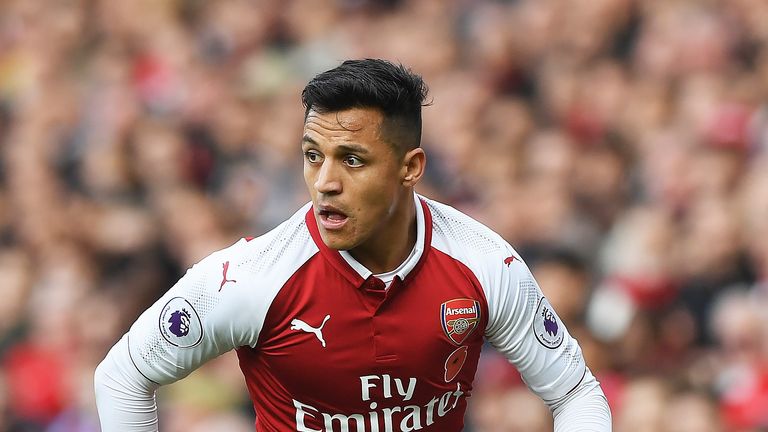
[523, 326]
[585, 408]
[124, 398]
[199, 318]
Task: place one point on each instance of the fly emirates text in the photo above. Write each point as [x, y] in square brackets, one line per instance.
[415, 417]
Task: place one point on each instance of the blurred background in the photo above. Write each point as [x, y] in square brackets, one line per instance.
[620, 145]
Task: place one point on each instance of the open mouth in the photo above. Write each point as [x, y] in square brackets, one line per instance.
[331, 219]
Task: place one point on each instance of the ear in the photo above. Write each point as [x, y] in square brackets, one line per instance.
[414, 163]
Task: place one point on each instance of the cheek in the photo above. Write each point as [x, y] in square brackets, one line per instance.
[375, 197]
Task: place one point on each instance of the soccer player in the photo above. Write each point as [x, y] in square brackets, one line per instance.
[366, 310]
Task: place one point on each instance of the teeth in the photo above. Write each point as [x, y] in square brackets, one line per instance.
[335, 216]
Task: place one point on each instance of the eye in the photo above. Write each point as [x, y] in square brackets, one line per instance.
[353, 161]
[312, 156]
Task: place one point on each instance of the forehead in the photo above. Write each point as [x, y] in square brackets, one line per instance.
[352, 123]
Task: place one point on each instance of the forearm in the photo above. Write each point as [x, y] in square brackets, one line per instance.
[125, 399]
[583, 409]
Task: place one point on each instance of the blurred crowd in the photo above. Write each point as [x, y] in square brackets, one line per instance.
[620, 145]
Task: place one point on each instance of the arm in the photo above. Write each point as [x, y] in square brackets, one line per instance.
[584, 408]
[523, 326]
[192, 323]
[125, 399]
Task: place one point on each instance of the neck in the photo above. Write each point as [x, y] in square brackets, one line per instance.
[393, 243]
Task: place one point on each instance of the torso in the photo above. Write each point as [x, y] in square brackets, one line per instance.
[389, 362]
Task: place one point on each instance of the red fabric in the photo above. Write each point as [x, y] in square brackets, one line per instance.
[744, 405]
[35, 382]
[647, 292]
[373, 354]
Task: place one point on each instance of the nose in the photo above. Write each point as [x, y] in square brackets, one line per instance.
[327, 181]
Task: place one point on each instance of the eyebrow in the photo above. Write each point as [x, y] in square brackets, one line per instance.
[353, 148]
[345, 148]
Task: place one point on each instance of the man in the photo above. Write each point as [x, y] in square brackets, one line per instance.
[367, 309]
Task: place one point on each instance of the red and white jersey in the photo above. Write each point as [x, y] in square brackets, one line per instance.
[324, 346]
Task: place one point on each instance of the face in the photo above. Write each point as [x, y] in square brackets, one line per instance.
[357, 180]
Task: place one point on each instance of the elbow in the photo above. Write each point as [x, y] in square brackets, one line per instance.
[118, 374]
[101, 376]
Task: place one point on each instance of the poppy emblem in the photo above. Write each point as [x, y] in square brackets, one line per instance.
[459, 317]
[454, 362]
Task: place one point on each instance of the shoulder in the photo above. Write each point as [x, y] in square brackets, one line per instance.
[253, 268]
[494, 262]
[280, 246]
[463, 237]
[245, 276]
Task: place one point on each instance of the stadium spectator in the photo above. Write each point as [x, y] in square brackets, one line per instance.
[136, 137]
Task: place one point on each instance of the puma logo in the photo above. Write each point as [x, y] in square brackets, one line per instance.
[508, 260]
[225, 265]
[298, 324]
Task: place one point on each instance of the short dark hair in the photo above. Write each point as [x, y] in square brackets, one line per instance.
[373, 83]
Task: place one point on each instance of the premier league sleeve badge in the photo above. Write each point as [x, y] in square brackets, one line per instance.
[547, 326]
[179, 323]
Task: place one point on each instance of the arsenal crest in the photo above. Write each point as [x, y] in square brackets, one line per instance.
[459, 317]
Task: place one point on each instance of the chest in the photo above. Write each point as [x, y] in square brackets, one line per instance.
[414, 342]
